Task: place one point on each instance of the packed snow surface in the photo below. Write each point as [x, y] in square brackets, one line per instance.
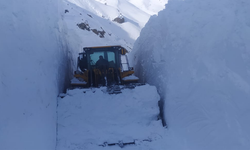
[197, 53]
[88, 118]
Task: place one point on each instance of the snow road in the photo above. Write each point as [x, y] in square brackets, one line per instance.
[88, 118]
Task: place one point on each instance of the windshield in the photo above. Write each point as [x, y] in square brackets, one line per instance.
[107, 55]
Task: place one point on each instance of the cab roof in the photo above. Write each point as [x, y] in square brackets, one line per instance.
[104, 48]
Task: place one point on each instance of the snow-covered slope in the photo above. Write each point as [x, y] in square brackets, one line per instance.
[198, 53]
[88, 23]
[99, 15]
[32, 72]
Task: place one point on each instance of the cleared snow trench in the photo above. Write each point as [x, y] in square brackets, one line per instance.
[92, 119]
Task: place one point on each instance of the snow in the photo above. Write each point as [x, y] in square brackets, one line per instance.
[32, 73]
[131, 77]
[39, 45]
[99, 14]
[90, 117]
[197, 54]
[77, 81]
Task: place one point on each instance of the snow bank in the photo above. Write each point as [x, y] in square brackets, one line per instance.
[198, 53]
[32, 66]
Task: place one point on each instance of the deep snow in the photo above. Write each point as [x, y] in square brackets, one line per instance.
[39, 43]
[32, 73]
[87, 118]
[197, 53]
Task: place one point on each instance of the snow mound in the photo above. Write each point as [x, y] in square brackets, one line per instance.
[90, 117]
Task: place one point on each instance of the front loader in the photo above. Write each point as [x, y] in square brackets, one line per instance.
[116, 71]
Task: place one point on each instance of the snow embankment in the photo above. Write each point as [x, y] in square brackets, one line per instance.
[32, 73]
[198, 53]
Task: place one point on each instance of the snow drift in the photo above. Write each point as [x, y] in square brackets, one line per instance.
[198, 53]
[32, 73]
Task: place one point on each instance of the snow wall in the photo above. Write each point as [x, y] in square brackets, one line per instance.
[197, 53]
[32, 73]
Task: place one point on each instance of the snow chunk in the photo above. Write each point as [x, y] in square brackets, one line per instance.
[131, 77]
[78, 81]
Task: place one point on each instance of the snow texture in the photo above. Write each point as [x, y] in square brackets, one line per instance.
[90, 117]
[99, 15]
[32, 73]
[197, 53]
[131, 77]
[39, 44]
[77, 81]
